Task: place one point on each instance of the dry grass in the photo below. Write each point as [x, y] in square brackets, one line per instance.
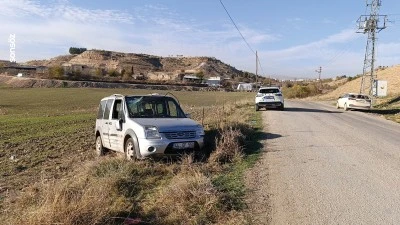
[189, 198]
[99, 192]
[229, 146]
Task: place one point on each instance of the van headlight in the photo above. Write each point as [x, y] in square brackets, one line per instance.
[200, 131]
[151, 132]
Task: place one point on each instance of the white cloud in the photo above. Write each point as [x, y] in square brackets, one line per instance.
[61, 9]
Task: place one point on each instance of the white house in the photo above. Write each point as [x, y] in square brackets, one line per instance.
[214, 81]
[245, 87]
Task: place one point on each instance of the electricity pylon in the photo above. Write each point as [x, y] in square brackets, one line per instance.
[371, 25]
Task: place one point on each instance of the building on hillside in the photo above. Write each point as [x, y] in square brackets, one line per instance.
[214, 81]
[245, 87]
[191, 79]
[17, 68]
[42, 69]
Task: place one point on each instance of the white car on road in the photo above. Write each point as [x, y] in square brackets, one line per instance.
[354, 101]
[269, 97]
[146, 125]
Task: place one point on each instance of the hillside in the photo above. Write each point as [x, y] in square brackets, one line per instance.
[390, 74]
[100, 62]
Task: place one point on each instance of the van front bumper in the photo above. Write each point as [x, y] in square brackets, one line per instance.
[165, 146]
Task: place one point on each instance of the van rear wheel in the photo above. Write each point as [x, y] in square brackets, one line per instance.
[130, 151]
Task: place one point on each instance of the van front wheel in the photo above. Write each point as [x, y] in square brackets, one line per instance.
[130, 151]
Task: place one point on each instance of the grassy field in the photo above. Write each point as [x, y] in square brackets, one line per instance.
[47, 160]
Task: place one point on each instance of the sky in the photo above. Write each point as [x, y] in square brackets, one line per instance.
[292, 38]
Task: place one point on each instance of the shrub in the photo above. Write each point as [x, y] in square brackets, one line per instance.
[229, 146]
[301, 91]
[56, 72]
[113, 73]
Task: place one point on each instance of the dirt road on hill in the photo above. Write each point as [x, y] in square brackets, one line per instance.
[326, 166]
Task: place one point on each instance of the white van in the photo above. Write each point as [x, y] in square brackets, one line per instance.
[146, 125]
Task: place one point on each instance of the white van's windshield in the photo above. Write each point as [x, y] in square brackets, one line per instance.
[153, 107]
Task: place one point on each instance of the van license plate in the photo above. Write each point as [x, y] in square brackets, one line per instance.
[183, 145]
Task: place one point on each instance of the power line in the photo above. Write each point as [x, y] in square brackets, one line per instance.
[244, 39]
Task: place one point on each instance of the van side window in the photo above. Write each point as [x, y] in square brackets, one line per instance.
[173, 109]
[117, 109]
[102, 106]
[108, 109]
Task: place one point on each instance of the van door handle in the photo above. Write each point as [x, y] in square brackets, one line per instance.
[110, 123]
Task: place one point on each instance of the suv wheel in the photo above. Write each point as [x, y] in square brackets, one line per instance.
[257, 107]
[99, 146]
[282, 107]
[130, 151]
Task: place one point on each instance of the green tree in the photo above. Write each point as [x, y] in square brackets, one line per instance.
[200, 75]
[56, 72]
[99, 72]
[75, 50]
[113, 73]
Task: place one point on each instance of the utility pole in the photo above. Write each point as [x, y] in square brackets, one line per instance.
[370, 24]
[256, 70]
[319, 71]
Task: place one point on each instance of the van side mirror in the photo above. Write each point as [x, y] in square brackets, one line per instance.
[121, 118]
[118, 124]
[188, 115]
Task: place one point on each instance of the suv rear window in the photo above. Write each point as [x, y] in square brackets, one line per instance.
[269, 91]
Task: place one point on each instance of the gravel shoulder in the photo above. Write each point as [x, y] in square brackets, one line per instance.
[326, 166]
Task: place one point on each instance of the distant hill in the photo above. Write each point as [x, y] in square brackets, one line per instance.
[104, 63]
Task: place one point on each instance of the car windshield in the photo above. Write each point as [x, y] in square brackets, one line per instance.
[269, 91]
[153, 107]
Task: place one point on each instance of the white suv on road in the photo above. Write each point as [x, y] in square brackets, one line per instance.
[146, 125]
[269, 97]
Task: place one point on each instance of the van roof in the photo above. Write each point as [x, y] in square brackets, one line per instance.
[122, 96]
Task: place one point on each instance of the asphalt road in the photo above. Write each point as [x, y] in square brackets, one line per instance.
[326, 166]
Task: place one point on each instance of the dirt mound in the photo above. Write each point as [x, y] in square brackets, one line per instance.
[391, 75]
[158, 68]
[56, 61]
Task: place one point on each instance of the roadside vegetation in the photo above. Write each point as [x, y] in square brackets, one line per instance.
[311, 89]
[388, 107]
[51, 174]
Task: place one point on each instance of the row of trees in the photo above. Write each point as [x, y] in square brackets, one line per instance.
[74, 50]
